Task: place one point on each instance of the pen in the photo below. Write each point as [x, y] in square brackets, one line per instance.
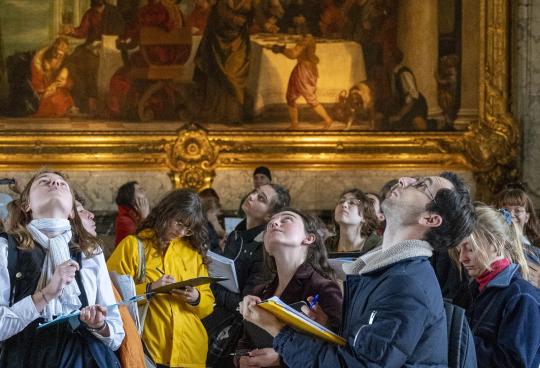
[161, 272]
[314, 301]
[245, 353]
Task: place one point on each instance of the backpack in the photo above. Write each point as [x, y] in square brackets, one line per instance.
[461, 350]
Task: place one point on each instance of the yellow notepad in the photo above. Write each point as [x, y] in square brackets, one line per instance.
[299, 321]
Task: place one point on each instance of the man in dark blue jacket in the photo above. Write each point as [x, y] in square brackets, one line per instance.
[393, 313]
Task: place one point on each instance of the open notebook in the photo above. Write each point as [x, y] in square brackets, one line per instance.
[223, 267]
[299, 320]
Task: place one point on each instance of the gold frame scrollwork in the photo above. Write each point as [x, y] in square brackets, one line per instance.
[191, 154]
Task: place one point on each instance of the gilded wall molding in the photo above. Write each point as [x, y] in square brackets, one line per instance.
[492, 143]
[191, 154]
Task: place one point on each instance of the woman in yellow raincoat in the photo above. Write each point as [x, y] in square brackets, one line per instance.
[174, 238]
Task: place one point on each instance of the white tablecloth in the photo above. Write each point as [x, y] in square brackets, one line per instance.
[341, 65]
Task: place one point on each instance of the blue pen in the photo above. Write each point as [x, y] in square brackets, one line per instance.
[314, 301]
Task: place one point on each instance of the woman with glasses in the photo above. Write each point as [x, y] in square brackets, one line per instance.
[245, 246]
[516, 200]
[174, 239]
[355, 223]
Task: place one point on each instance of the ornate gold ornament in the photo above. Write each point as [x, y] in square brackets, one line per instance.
[191, 154]
[192, 158]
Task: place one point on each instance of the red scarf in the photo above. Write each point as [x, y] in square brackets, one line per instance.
[496, 267]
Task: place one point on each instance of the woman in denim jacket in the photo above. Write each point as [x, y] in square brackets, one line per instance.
[505, 313]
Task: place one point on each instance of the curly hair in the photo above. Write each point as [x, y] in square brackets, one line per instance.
[317, 255]
[87, 243]
[366, 210]
[515, 194]
[457, 213]
[183, 205]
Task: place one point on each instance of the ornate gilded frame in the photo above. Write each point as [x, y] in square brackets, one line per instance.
[489, 148]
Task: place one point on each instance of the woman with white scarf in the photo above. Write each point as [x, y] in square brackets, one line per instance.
[49, 266]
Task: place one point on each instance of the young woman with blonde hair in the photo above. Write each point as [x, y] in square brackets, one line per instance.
[505, 311]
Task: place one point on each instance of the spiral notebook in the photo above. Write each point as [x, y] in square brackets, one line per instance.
[298, 320]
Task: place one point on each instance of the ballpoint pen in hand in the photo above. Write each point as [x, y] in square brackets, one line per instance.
[161, 272]
[314, 301]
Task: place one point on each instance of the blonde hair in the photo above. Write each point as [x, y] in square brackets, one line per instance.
[492, 230]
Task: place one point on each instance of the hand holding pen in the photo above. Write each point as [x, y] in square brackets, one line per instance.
[163, 280]
[314, 311]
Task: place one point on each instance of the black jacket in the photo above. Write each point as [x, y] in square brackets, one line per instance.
[245, 247]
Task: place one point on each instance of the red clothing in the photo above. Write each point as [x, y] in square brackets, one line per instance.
[154, 14]
[303, 83]
[496, 267]
[125, 223]
[90, 27]
[198, 18]
[52, 83]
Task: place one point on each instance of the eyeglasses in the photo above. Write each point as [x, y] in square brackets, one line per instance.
[186, 230]
[350, 202]
[421, 185]
[516, 210]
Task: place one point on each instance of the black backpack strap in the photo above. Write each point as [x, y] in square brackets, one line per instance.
[76, 255]
[12, 263]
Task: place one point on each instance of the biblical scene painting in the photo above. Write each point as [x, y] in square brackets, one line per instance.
[254, 64]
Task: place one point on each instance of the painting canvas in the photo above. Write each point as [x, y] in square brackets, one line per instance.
[251, 64]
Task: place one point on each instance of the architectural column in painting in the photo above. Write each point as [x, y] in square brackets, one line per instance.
[55, 18]
[470, 63]
[418, 38]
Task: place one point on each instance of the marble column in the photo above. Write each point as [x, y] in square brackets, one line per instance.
[526, 87]
[55, 18]
[470, 63]
[418, 38]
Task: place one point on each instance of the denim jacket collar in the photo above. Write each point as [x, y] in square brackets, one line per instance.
[504, 277]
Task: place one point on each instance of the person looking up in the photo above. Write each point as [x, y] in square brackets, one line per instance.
[65, 271]
[393, 311]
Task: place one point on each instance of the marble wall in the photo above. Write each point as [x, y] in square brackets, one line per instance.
[310, 190]
[526, 87]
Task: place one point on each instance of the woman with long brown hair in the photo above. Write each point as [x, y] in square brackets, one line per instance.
[297, 259]
[355, 222]
[49, 266]
[174, 240]
[515, 199]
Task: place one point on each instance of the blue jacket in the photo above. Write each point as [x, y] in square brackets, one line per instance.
[392, 317]
[505, 321]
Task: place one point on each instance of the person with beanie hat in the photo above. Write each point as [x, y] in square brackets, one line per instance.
[261, 176]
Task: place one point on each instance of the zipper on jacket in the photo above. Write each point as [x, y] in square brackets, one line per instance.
[370, 321]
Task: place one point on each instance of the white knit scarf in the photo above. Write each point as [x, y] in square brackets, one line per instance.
[56, 253]
[379, 258]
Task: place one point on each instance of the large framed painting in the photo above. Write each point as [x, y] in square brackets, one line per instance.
[190, 86]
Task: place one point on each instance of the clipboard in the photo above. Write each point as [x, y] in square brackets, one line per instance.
[299, 320]
[74, 316]
[191, 282]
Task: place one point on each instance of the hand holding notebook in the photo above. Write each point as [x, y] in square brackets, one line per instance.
[285, 314]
